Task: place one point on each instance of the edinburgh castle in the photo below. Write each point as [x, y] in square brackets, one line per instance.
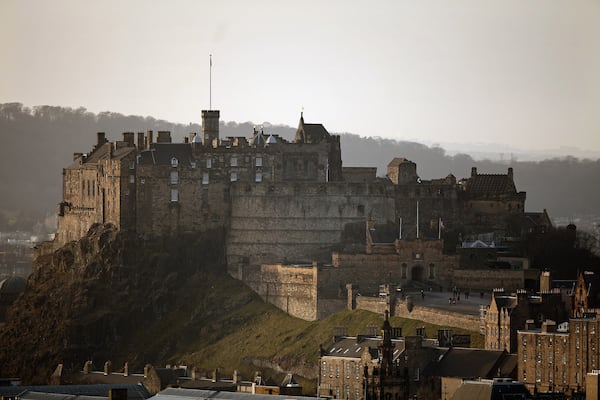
[298, 225]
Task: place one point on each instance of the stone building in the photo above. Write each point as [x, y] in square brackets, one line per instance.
[507, 313]
[160, 187]
[393, 366]
[281, 202]
[562, 353]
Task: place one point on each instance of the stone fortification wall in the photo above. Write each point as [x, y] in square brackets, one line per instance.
[488, 279]
[405, 309]
[291, 288]
[299, 222]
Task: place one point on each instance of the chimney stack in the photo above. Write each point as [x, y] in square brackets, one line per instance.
[128, 138]
[163, 137]
[473, 171]
[107, 368]
[101, 138]
[150, 139]
[126, 369]
[140, 141]
[510, 173]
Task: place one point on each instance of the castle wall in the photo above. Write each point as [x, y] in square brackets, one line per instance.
[405, 309]
[435, 201]
[292, 289]
[298, 222]
[196, 206]
[488, 279]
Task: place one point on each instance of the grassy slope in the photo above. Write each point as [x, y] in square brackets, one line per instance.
[251, 332]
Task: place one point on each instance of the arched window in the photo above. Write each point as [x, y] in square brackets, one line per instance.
[174, 162]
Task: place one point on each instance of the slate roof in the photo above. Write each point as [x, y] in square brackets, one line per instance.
[474, 363]
[490, 390]
[32, 395]
[310, 133]
[192, 394]
[162, 153]
[351, 347]
[491, 184]
[509, 302]
[134, 391]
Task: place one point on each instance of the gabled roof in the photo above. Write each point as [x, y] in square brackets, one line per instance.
[490, 184]
[469, 363]
[310, 133]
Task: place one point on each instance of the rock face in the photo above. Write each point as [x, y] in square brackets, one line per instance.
[111, 295]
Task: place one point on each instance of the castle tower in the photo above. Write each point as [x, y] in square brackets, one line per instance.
[210, 126]
[402, 171]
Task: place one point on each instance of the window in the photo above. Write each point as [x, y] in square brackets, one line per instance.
[431, 271]
[209, 163]
[524, 356]
[233, 162]
[324, 368]
[132, 165]
[174, 195]
[233, 177]
[258, 162]
[205, 178]
[174, 177]
[174, 162]
[258, 177]
[131, 178]
[524, 340]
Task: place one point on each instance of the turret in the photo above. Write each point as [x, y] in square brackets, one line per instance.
[210, 126]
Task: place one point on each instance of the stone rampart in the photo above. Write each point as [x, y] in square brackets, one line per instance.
[406, 309]
[291, 288]
[488, 279]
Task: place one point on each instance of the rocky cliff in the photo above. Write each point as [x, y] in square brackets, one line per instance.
[114, 296]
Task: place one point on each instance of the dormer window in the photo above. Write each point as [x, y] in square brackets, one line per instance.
[174, 162]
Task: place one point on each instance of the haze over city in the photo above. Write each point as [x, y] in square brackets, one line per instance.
[507, 76]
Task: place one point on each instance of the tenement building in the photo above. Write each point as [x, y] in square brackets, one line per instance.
[561, 354]
[286, 207]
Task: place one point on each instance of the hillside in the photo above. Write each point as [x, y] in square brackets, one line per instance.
[112, 296]
[40, 141]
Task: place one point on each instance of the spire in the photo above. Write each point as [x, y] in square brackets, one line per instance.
[300, 131]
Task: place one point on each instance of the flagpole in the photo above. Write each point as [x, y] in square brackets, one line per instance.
[400, 231]
[439, 228]
[417, 219]
[210, 83]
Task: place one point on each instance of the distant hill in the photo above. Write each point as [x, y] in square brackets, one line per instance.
[39, 141]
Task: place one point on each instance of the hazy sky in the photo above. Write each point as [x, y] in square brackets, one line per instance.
[522, 73]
